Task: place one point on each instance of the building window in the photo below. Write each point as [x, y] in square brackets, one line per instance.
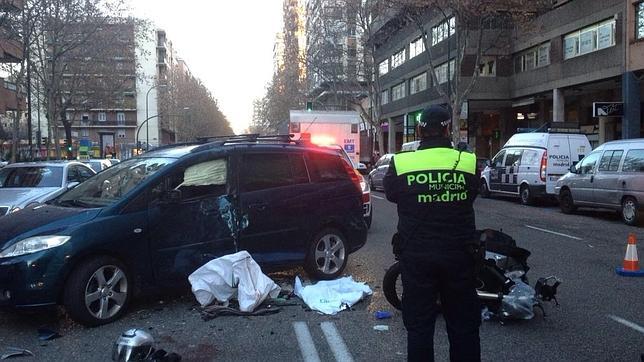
[102, 117]
[418, 83]
[398, 59]
[535, 57]
[398, 92]
[120, 118]
[590, 39]
[416, 47]
[384, 97]
[443, 70]
[487, 67]
[443, 30]
[639, 20]
[120, 133]
[383, 67]
[84, 132]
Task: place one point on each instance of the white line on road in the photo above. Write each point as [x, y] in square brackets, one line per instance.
[553, 232]
[304, 339]
[377, 197]
[338, 347]
[627, 323]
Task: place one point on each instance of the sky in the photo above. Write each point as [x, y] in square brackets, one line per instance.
[228, 44]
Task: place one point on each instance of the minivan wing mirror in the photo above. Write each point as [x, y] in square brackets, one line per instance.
[573, 169]
[488, 163]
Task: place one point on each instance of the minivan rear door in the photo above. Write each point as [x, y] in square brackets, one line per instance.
[497, 171]
[607, 188]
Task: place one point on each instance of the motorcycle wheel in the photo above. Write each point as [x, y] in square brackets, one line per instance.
[392, 286]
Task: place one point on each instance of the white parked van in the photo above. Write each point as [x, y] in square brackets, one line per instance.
[529, 164]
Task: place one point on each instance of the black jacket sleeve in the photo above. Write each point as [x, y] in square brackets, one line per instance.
[391, 183]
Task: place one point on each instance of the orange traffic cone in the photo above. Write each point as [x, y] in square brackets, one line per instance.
[631, 266]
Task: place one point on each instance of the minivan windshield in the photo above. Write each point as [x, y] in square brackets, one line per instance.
[112, 184]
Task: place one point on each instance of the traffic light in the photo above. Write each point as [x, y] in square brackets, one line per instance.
[309, 106]
[68, 147]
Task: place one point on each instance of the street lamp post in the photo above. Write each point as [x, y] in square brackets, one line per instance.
[147, 117]
[145, 122]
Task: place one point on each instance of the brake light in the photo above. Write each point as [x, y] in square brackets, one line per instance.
[354, 175]
[544, 166]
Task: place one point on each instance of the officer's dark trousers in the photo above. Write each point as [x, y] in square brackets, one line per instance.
[451, 275]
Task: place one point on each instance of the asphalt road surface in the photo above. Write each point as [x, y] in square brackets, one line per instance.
[601, 316]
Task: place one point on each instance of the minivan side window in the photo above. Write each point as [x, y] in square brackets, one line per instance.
[513, 158]
[587, 165]
[262, 171]
[610, 160]
[634, 161]
[497, 161]
[327, 168]
[530, 158]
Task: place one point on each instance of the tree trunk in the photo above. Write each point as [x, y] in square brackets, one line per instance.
[67, 125]
[381, 141]
[15, 136]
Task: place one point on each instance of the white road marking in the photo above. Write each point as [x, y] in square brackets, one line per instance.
[305, 341]
[627, 323]
[338, 347]
[553, 232]
[377, 197]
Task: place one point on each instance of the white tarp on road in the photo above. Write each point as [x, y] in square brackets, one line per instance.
[233, 276]
[332, 296]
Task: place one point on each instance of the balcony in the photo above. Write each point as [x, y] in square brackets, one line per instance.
[11, 5]
[10, 51]
[9, 97]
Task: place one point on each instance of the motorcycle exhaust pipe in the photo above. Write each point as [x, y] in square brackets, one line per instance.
[489, 296]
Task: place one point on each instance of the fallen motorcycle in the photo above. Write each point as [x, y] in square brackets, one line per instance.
[501, 276]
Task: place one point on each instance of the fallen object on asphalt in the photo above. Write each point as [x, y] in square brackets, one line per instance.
[46, 334]
[381, 328]
[232, 276]
[383, 314]
[214, 311]
[16, 352]
[133, 345]
[332, 296]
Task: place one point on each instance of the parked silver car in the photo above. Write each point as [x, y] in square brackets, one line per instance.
[98, 165]
[611, 177]
[24, 184]
[377, 175]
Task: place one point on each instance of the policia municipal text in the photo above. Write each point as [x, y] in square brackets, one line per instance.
[435, 188]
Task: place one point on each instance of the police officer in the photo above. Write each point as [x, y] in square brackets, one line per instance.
[435, 188]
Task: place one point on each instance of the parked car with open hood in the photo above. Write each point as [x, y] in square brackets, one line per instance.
[148, 222]
[24, 184]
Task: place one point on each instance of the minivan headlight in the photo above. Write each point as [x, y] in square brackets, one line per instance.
[34, 244]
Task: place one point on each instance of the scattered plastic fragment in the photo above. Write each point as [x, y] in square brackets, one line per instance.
[383, 314]
[381, 327]
[46, 334]
[16, 352]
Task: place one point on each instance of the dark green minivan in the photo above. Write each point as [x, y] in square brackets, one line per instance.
[150, 221]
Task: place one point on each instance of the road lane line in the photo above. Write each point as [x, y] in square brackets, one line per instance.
[377, 197]
[338, 347]
[305, 341]
[553, 232]
[627, 323]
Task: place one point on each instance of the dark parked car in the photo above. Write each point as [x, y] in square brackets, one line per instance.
[148, 222]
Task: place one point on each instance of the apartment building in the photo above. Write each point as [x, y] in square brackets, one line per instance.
[548, 76]
[334, 54]
[10, 52]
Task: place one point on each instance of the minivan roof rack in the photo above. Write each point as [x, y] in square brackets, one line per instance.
[215, 141]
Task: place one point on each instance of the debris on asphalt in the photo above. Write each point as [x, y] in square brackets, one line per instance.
[381, 328]
[332, 296]
[46, 334]
[383, 314]
[16, 352]
[233, 276]
[214, 311]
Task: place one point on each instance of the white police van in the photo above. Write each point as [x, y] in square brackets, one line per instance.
[529, 164]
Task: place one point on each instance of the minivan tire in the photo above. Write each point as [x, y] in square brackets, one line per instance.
[483, 190]
[102, 282]
[566, 203]
[525, 195]
[328, 250]
[630, 211]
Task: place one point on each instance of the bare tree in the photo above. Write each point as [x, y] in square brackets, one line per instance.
[473, 28]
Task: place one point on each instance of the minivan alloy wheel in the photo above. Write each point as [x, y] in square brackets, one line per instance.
[330, 253]
[106, 292]
[629, 211]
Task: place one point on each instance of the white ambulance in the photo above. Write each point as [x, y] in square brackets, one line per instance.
[529, 164]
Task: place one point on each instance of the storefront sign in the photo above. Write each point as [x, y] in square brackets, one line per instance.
[608, 109]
